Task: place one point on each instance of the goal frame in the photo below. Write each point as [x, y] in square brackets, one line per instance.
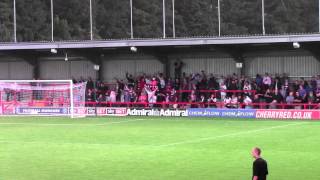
[70, 82]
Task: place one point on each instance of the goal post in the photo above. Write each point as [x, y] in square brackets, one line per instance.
[42, 98]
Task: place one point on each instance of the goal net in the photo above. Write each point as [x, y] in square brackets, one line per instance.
[42, 97]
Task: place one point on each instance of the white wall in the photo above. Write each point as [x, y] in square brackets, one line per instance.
[117, 66]
[294, 66]
[210, 63]
[15, 70]
[60, 69]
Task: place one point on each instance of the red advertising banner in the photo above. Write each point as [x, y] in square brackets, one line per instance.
[287, 114]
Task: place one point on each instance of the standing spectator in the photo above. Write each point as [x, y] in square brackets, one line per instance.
[318, 81]
[162, 82]
[143, 99]
[177, 69]
[266, 81]
[176, 85]
[90, 84]
[212, 83]
[259, 80]
[152, 98]
[223, 89]
[130, 80]
[113, 97]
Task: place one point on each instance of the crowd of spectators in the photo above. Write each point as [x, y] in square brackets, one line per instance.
[207, 90]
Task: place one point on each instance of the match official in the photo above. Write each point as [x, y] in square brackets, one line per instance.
[260, 167]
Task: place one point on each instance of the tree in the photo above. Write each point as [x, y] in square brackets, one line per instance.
[6, 20]
[33, 20]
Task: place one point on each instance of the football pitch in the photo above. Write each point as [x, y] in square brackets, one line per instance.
[155, 148]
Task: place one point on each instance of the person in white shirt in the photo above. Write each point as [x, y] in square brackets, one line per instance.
[223, 94]
[247, 87]
[227, 102]
[247, 101]
[152, 98]
[266, 80]
[234, 101]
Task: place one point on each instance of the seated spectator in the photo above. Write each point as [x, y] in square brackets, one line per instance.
[276, 99]
[100, 100]
[227, 102]
[302, 92]
[297, 100]
[247, 102]
[268, 96]
[90, 97]
[234, 101]
[290, 99]
[193, 99]
[212, 101]
[247, 87]
[256, 101]
[172, 98]
[310, 100]
[203, 101]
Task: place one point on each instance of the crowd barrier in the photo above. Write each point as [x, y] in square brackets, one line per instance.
[188, 112]
[174, 109]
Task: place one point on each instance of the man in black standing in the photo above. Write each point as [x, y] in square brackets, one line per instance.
[260, 167]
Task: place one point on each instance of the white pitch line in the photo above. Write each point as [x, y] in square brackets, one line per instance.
[227, 135]
[52, 124]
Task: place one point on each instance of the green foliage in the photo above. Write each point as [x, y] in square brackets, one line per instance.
[6, 20]
[111, 18]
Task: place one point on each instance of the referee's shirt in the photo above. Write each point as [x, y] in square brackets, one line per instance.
[260, 169]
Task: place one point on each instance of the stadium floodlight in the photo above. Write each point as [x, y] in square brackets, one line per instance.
[296, 45]
[66, 57]
[133, 49]
[54, 51]
[42, 98]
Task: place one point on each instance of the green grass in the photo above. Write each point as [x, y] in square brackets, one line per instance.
[151, 148]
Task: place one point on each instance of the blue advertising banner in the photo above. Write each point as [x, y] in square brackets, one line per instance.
[43, 111]
[227, 113]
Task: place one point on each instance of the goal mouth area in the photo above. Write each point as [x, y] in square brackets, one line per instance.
[42, 98]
